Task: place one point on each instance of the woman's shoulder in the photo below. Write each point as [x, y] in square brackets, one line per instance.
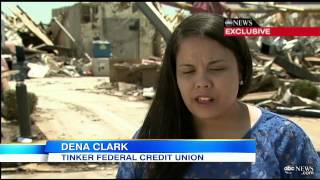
[279, 131]
[278, 136]
[277, 124]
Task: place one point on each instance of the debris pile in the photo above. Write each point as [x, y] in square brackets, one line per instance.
[132, 80]
[287, 66]
[42, 57]
[144, 74]
[279, 63]
[127, 91]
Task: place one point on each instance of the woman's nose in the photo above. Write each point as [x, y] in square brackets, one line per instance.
[203, 82]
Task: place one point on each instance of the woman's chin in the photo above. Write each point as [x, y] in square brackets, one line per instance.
[205, 114]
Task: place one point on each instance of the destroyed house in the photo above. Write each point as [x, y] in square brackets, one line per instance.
[129, 32]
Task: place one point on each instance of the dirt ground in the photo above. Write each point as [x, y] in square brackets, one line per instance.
[71, 108]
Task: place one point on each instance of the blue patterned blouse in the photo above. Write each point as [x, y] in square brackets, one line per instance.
[283, 151]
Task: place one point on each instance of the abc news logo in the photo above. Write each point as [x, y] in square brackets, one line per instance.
[242, 22]
[304, 170]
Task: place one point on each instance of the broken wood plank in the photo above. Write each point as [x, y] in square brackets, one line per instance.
[298, 112]
[64, 30]
[263, 57]
[291, 68]
[39, 46]
[295, 70]
[161, 24]
[277, 6]
[233, 8]
[258, 96]
[180, 5]
[315, 60]
[26, 14]
[32, 51]
[31, 25]
[9, 169]
[63, 19]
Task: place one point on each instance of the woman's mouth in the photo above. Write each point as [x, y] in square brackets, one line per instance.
[204, 99]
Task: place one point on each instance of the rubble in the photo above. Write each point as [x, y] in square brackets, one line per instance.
[149, 92]
[258, 96]
[283, 61]
[278, 62]
[100, 66]
[27, 21]
[127, 91]
[12, 26]
[295, 100]
[142, 72]
[37, 70]
[277, 72]
[50, 65]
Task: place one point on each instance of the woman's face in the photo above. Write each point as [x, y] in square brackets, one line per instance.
[207, 76]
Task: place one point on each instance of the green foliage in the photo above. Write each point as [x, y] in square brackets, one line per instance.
[305, 89]
[10, 106]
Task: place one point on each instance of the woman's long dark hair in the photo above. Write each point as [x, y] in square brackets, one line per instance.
[168, 117]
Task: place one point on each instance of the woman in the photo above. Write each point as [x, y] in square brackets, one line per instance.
[202, 77]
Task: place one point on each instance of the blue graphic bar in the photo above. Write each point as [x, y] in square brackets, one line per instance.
[135, 146]
[21, 149]
[153, 146]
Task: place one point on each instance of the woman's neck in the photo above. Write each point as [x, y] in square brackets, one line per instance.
[232, 124]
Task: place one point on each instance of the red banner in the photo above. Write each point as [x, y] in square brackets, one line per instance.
[272, 31]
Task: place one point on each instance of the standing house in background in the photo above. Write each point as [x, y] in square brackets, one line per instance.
[121, 23]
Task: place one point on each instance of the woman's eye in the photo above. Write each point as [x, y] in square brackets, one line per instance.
[217, 69]
[187, 72]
